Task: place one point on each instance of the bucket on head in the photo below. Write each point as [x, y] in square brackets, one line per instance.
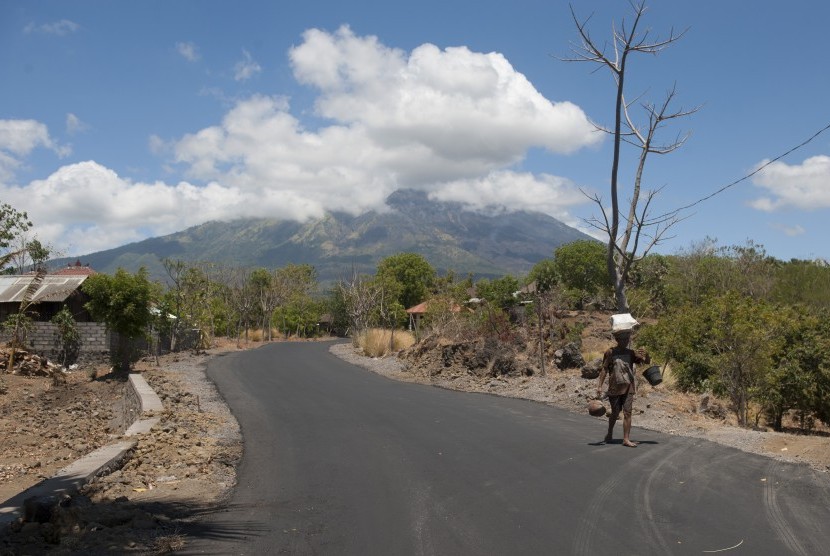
[623, 322]
[653, 375]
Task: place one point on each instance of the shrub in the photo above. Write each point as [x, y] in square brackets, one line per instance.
[375, 342]
[67, 337]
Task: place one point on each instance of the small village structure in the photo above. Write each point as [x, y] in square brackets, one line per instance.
[56, 291]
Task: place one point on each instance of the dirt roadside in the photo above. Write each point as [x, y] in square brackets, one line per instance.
[181, 469]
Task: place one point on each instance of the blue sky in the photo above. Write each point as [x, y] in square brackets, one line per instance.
[126, 120]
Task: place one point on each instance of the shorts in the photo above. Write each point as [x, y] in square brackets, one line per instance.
[623, 402]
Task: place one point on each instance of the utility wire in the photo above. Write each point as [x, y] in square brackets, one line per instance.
[746, 177]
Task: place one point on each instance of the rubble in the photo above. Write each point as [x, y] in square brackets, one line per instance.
[29, 364]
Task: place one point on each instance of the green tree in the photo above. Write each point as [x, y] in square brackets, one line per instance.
[191, 298]
[123, 302]
[13, 223]
[706, 270]
[293, 288]
[499, 293]
[407, 277]
[800, 376]
[67, 336]
[261, 282]
[38, 253]
[803, 282]
[647, 292]
[544, 274]
[581, 270]
[726, 343]
[743, 341]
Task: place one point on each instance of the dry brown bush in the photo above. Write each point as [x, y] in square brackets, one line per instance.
[375, 342]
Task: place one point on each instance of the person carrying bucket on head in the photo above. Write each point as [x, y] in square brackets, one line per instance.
[618, 365]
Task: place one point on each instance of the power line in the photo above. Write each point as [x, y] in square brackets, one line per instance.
[746, 177]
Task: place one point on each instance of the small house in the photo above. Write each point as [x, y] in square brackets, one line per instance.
[52, 294]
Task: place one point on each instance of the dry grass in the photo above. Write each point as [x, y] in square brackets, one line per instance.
[169, 543]
[591, 355]
[669, 380]
[375, 341]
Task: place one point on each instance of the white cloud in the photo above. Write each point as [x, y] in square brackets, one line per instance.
[428, 120]
[89, 207]
[74, 124]
[18, 138]
[452, 122]
[457, 104]
[246, 68]
[60, 28]
[506, 190]
[188, 51]
[803, 186]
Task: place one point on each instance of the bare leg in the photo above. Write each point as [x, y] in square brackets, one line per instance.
[627, 431]
[612, 420]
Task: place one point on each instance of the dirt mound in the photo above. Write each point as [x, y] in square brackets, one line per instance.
[177, 471]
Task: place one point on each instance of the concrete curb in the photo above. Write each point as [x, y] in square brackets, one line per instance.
[103, 460]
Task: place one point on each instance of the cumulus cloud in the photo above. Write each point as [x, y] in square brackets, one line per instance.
[803, 186]
[455, 103]
[188, 51]
[452, 122]
[246, 68]
[89, 207]
[512, 191]
[60, 28]
[429, 120]
[18, 138]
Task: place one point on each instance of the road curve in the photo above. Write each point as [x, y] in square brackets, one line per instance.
[342, 461]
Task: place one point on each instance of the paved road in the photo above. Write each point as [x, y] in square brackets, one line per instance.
[341, 461]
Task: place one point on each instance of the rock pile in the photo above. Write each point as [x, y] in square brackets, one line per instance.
[28, 364]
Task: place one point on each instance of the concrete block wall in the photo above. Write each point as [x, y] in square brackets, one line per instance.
[96, 341]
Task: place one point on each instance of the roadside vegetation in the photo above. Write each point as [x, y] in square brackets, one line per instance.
[731, 321]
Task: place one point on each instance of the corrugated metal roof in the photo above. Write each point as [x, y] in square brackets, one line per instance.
[53, 288]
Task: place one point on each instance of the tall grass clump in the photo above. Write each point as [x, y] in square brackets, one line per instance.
[378, 342]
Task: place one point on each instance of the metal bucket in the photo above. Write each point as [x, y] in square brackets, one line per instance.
[653, 375]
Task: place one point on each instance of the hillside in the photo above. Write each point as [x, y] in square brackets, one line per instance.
[448, 236]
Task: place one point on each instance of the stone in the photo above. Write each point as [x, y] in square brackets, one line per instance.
[569, 357]
[592, 369]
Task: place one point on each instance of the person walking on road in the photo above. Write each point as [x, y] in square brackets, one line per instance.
[618, 365]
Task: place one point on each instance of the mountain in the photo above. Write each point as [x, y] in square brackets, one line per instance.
[448, 236]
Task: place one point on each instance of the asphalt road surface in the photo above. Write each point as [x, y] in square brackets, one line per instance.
[342, 461]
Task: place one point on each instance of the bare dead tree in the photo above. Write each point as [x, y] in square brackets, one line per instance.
[631, 236]
[362, 296]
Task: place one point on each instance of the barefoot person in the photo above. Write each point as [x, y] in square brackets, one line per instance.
[618, 364]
